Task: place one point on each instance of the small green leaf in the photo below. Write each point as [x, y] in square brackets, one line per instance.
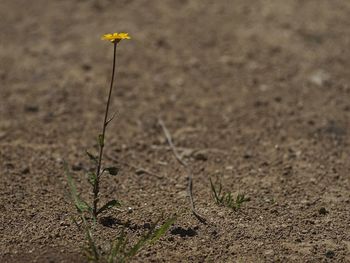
[112, 170]
[151, 237]
[101, 140]
[91, 250]
[241, 198]
[162, 230]
[108, 121]
[74, 221]
[117, 249]
[92, 157]
[215, 193]
[92, 178]
[138, 246]
[229, 200]
[108, 205]
[81, 205]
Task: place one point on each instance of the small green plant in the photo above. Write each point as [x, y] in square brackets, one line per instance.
[226, 199]
[120, 250]
[94, 177]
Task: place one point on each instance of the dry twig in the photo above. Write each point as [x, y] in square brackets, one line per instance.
[186, 167]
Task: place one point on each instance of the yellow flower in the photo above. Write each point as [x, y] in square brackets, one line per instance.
[115, 37]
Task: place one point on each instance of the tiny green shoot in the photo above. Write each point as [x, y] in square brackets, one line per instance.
[226, 198]
[121, 250]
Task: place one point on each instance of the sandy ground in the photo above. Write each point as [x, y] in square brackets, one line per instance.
[259, 88]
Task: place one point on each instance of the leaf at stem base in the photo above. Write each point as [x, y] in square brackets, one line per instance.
[108, 205]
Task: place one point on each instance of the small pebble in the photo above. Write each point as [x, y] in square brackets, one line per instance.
[247, 155]
[9, 166]
[86, 67]
[330, 254]
[229, 168]
[269, 252]
[31, 108]
[63, 223]
[77, 167]
[25, 171]
[200, 156]
[323, 211]
[319, 78]
[140, 171]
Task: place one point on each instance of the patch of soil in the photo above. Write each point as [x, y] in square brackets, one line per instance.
[254, 93]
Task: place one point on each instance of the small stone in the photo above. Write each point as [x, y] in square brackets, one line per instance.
[260, 103]
[31, 108]
[179, 186]
[264, 87]
[77, 167]
[330, 254]
[221, 214]
[182, 194]
[218, 160]
[200, 155]
[248, 155]
[229, 168]
[63, 223]
[86, 67]
[323, 211]
[162, 43]
[319, 78]
[139, 172]
[269, 252]
[278, 99]
[147, 226]
[25, 171]
[9, 166]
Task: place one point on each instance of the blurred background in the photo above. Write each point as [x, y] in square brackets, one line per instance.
[185, 56]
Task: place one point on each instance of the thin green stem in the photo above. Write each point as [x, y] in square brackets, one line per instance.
[105, 122]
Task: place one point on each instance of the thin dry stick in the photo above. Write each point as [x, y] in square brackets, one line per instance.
[186, 167]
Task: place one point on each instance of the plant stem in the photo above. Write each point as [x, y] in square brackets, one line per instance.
[105, 122]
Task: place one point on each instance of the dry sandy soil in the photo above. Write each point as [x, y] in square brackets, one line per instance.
[255, 93]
